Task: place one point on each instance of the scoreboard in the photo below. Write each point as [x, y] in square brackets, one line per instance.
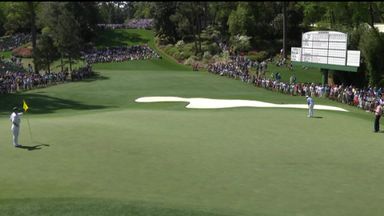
[326, 49]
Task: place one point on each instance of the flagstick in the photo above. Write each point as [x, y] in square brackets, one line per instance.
[25, 107]
[29, 126]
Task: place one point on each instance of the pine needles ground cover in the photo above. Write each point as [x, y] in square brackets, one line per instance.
[100, 153]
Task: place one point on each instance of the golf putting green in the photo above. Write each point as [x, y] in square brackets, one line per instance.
[95, 151]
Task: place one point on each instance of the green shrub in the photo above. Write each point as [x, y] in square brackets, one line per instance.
[381, 83]
[162, 40]
[216, 58]
[187, 49]
[167, 47]
[258, 56]
[241, 42]
[225, 56]
[212, 47]
[191, 60]
[171, 50]
[207, 55]
[187, 53]
[180, 45]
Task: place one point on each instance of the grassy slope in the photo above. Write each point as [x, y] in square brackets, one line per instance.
[306, 76]
[111, 156]
[6, 54]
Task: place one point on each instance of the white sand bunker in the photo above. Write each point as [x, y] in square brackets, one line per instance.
[207, 103]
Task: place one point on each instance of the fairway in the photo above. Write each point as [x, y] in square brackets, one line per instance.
[95, 151]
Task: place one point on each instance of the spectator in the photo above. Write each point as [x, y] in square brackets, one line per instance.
[119, 54]
[16, 78]
[8, 43]
[378, 113]
[132, 24]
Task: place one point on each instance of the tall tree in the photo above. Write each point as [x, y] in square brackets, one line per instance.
[164, 27]
[284, 29]
[65, 30]
[87, 16]
[45, 52]
[114, 12]
[372, 49]
[143, 10]
[68, 35]
[220, 12]
[16, 18]
[32, 10]
[241, 20]
[3, 11]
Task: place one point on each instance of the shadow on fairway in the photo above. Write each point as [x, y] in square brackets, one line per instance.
[42, 104]
[95, 77]
[119, 38]
[98, 207]
[31, 148]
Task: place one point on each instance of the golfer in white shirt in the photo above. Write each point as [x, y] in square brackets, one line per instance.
[15, 119]
[311, 104]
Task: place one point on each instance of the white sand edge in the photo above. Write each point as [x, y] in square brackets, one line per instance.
[207, 103]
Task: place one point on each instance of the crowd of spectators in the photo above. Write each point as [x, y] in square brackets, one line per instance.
[16, 78]
[8, 43]
[140, 23]
[131, 24]
[363, 98]
[12, 65]
[82, 73]
[112, 26]
[238, 68]
[118, 54]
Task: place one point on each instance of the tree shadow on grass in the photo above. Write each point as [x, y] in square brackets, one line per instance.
[42, 104]
[100, 207]
[96, 76]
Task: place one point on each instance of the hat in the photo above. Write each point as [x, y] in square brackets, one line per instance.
[306, 96]
[15, 108]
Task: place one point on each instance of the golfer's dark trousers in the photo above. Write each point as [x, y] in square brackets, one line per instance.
[377, 123]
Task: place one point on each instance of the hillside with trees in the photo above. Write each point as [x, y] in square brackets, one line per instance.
[201, 31]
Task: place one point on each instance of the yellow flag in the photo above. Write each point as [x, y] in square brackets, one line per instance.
[25, 106]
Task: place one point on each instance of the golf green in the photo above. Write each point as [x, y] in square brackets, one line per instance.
[94, 151]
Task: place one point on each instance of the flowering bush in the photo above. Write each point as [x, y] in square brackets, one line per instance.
[24, 52]
[241, 42]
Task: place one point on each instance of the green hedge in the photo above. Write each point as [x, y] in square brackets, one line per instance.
[258, 56]
[180, 54]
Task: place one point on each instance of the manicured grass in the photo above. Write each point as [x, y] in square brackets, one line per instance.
[6, 54]
[303, 75]
[127, 37]
[108, 155]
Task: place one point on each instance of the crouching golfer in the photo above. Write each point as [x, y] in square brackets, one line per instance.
[311, 104]
[15, 119]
